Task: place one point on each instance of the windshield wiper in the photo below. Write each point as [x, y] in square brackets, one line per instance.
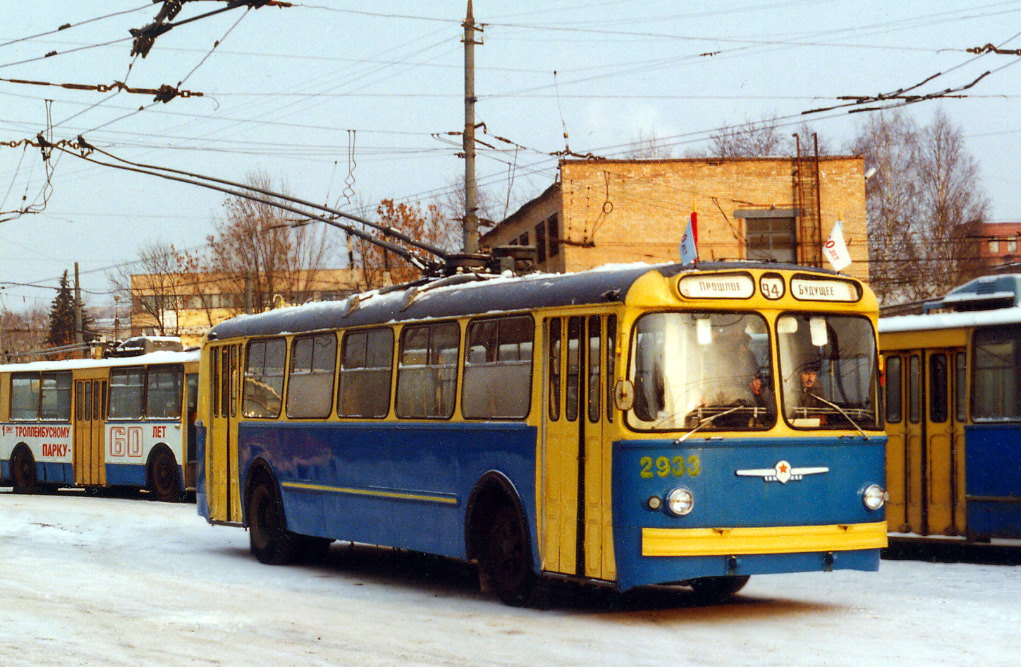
[706, 422]
[841, 411]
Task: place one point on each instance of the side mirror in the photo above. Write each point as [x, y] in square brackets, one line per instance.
[624, 395]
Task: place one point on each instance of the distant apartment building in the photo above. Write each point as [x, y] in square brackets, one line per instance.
[622, 211]
[990, 247]
[189, 304]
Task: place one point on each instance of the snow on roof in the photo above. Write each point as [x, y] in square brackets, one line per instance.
[949, 320]
[162, 357]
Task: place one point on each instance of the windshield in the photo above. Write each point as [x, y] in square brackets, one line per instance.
[828, 371]
[701, 370]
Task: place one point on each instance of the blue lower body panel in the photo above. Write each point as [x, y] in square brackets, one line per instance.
[125, 475]
[202, 504]
[404, 485]
[677, 569]
[993, 479]
[54, 473]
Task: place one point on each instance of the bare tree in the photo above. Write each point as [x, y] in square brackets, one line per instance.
[952, 201]
[378, 267]
[451, 203]
[763, 138]
[922, 195]
[649, 146]
[258, 251]
[22, 332]
[889, 143]
[152, 285]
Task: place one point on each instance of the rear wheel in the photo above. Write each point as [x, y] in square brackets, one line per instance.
[506, 558]
[164, 480]
[717, 589]
[23, 477]
[270, 541]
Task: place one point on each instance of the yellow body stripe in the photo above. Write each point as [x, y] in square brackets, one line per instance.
[375, 493]
[768, 540]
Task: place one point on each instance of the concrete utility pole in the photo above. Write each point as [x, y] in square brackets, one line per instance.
[471, 218]
[78, 335]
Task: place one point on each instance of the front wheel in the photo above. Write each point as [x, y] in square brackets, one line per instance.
[270, 541]
[717, 589]
[506, 558]
[23, 477]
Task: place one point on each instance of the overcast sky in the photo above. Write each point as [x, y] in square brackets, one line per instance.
[350, 102]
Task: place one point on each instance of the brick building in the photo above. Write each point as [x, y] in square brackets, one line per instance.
[990, 247]
[189, 304]
[622, 211]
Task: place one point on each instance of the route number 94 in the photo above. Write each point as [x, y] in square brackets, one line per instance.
[666, 466]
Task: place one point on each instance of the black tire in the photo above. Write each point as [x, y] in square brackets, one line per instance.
[717, 589]
[270, 541]
[164, 480]
[506, 558]
[23, 476]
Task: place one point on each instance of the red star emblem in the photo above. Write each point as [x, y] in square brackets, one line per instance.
[783, 467]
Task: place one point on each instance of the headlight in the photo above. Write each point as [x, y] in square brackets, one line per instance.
[680, 501]
[873, 496]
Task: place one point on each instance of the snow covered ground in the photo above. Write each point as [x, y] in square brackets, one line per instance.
[114, 581]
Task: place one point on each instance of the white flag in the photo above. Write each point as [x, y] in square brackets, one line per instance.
[835, 248]
[689, 252]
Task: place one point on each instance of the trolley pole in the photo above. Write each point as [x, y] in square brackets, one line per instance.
[471, 219]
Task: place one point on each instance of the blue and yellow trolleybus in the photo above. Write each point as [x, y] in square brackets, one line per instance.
[97, 423]
[625, 426]
[953, 413]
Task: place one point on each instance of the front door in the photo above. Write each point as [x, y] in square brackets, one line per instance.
[576, 516]
[221, 434]
[90, 391]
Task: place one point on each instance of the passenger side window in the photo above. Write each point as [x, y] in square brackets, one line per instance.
[126, 392]
[498, 369]
[56, 396]
[25, 397]
[310, 384]
[366, 366]
[164, 392]
[427, 372]
[264, 378]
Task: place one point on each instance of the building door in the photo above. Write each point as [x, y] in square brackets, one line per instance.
[221, 435]
[89, 460]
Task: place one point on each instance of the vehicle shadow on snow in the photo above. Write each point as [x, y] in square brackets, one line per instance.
[451, 578]
[936, 551]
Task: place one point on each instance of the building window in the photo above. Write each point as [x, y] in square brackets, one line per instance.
[523, 239]
[770, 239]
[553, 230]
[994, 246]
[1012, 245]
[540, 242]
